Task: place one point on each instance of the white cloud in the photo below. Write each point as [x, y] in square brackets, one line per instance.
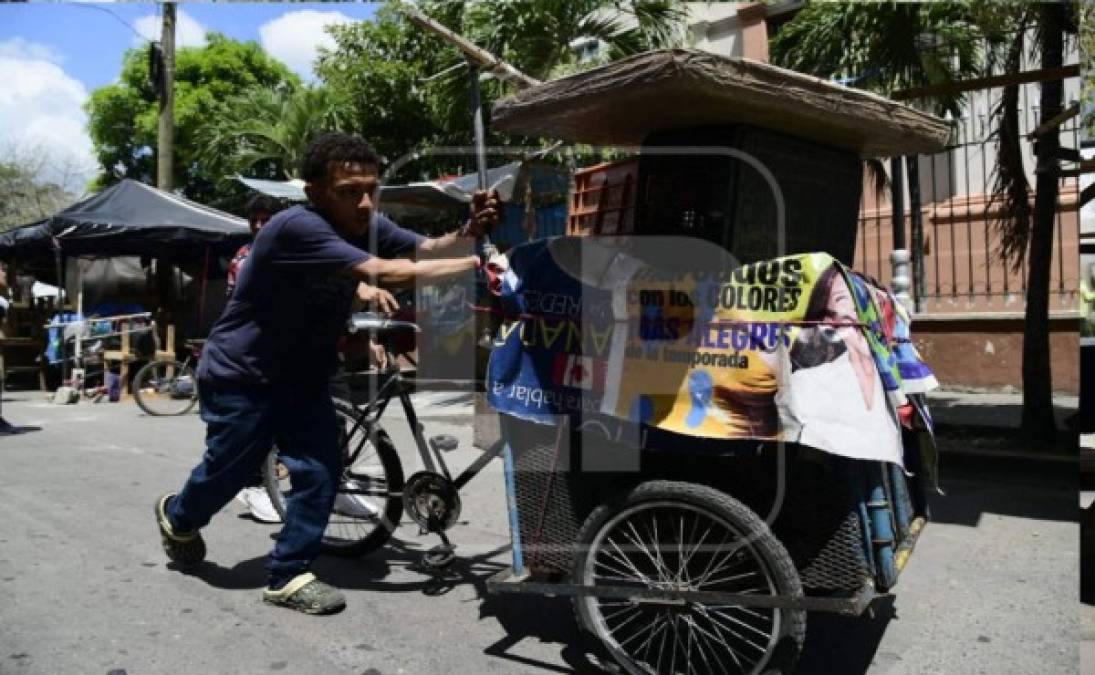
[294, 38]
[188, 32]
[41, 113]
[20, 48]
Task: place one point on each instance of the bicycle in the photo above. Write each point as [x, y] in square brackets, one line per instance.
[373, 480]
[169, 387]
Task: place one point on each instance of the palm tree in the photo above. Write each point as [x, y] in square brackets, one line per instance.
[883, 46]
[264, 131]
[537, 36]
[1038, 417]
[1087, 51]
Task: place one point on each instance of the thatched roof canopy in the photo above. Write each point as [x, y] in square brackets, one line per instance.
[623, 102]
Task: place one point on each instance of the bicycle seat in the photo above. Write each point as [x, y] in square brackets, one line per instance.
[379, 325]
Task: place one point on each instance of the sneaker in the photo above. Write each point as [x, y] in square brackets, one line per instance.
[354, 505]
[307, 594]
[258, 502]
[184, 548]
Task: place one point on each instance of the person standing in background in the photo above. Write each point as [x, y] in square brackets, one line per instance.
[259, 209]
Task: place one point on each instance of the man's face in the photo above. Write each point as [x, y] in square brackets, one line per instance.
[347, 196]
[257, 221]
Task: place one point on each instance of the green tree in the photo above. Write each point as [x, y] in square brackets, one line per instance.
[882, 46]
[410, 90]
[1087, 68]
[1038, 420]
[264, 131]
[536, 35]
[890, 46]
[380, 68]
[122, 117]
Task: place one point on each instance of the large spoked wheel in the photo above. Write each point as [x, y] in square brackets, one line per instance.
[369, 503]
[165, 388]
[685, 537]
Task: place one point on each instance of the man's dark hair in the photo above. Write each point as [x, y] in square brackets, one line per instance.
[261, 203]
[338, 147]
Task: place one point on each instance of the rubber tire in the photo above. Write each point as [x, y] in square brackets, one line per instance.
[393, 507]
[788, 645]
[180, 368]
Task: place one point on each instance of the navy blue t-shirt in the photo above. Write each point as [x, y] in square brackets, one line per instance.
[283, 322]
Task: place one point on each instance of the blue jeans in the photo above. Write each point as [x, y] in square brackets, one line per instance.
[242, 424]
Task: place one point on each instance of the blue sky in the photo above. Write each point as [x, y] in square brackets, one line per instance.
[91, 40]
[52, 55]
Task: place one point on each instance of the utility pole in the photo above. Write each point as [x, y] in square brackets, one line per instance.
[165, 154]
[165, 142]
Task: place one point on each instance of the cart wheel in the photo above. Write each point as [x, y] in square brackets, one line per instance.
[681, 536]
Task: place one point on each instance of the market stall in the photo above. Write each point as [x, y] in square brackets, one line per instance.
[165, 246]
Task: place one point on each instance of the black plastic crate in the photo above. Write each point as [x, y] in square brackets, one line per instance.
[723, 199]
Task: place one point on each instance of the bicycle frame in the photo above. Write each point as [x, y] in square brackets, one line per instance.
[395, 386]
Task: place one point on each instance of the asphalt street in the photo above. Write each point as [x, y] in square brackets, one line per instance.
[85, 586]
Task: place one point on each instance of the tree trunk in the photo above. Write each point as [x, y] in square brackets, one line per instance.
[1038, 420]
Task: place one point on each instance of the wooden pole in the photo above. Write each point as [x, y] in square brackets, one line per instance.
[165, 144]
[475, 54]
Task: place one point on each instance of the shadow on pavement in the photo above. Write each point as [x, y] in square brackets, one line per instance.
[549, 620]
[246, 574]
[951, 409]
[368, 573]
[17, 430]
[977, 485]
[841, 644]
[833, 643]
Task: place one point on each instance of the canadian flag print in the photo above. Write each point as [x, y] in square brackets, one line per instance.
[579, 372]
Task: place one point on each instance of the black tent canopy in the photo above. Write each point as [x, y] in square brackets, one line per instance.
[129, 218]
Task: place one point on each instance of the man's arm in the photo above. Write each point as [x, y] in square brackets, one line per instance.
[484, 216]
[437, 247]
[400, 272]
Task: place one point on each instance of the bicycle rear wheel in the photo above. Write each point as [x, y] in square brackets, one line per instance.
[165, 388]
[369, 503]
[684, 537]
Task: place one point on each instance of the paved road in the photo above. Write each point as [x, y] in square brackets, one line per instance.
[85, 588]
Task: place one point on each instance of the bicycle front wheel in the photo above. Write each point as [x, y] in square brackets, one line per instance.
[165, 388]
[369, 502]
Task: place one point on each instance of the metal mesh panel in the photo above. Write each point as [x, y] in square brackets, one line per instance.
[550, 510]
[820, 525]
[547, 511]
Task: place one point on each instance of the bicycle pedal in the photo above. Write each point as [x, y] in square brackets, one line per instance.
[444, 442]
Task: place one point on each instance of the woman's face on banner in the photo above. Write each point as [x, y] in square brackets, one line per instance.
[840, 309]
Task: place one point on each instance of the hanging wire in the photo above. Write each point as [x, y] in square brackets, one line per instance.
[117, 18]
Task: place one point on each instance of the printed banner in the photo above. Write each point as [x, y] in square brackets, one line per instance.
[797, 348]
